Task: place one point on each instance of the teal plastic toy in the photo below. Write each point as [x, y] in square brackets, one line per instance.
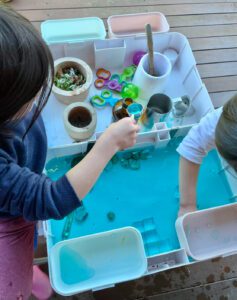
[106, 97]
[130, 90]
[115, 76]
[135, 110]
[67, 226]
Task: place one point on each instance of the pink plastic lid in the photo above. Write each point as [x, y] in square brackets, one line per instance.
[134, 24]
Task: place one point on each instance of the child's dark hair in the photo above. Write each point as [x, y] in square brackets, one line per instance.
[226, 132]
[26, 67]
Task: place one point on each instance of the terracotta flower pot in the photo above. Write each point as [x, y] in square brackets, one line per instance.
[80, 93]
[80, 120]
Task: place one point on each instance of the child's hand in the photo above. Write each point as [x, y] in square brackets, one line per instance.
[118, 136]
[184, 209]
[122, 134]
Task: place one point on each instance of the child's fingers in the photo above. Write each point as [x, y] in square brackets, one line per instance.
[136, 128]
[133, 119]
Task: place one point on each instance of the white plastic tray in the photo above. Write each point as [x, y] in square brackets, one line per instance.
[209, 233]
[184, 80]
[97, 260]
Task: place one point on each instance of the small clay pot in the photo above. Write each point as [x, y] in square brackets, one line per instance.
[80, 120]
[80, 93]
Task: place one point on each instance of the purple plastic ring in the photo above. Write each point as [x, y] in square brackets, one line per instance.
[137, 57]
[113, 85]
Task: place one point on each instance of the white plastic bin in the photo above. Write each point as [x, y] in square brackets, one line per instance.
[168, 260]
[72, 30]
[109, 54]
[98, 260]
[134, 24]
[209, 233]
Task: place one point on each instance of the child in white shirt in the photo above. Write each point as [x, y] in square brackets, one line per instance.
[217, 129]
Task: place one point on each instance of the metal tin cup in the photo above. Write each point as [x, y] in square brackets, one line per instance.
[182, 107]
[160, 105]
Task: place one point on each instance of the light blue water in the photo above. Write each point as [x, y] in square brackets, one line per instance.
[147, 198]
[70, 261]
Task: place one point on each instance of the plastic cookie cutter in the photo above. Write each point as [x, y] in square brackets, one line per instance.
[100, 83]
[120, 80]
[106, 97]
[115, 77]
[114, 85]
[135, 110]
[103, 78]
[98, 101]
[103, 74]
[128, 73]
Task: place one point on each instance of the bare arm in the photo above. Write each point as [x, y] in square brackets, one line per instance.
[118, 136]
[188, 174]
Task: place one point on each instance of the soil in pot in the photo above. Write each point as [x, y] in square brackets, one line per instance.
[79, 117]
[69, 78]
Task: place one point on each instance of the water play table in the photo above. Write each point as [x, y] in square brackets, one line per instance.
[212, 35]
[184, 80]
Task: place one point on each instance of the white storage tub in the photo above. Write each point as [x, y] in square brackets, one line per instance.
[134, 24]
[184, 80]
[209, 233]
[97, 260]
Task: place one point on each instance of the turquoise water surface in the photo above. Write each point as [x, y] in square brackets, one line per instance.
[140, 189]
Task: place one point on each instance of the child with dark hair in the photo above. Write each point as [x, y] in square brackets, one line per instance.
[218, 129]
[27, 195]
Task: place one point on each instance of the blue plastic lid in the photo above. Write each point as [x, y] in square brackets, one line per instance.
[72, 30]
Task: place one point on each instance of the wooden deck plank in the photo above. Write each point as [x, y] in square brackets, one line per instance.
[104, 12]
[171, 281]
[208, 43]
[207, 31]
[221, 84]
[219, 98]
[221, 290]
[218, 70]
[215, 55]
[55, 4]
[201, 20]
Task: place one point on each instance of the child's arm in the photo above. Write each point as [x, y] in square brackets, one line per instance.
[188, 174]
[119, 136]
[36, 197]
[195, 146]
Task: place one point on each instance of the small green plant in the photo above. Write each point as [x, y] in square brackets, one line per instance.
[69, 79]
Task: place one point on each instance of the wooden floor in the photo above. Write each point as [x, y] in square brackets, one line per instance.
[211, 27]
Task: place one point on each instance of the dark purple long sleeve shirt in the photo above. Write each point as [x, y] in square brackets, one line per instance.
[24, 190]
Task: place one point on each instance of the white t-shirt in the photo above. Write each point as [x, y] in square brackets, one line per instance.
[201, 138]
